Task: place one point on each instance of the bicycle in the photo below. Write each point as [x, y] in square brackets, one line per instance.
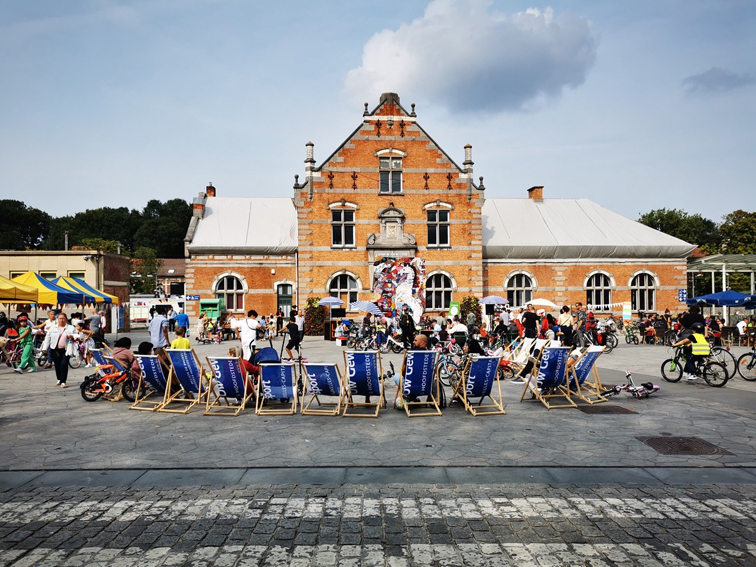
[97, 385]
[631, 334]
[390, 343]
[714, 373]
[746, 365]
[723, 355]
[640, 392]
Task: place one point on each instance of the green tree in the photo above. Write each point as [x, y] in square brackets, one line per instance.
[144, 268]
[690, 228]
[100, 244]
[163, 227]
[22, 227]
[105, 223]
[738, 232]
[470, 304]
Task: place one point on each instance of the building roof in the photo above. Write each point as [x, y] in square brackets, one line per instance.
[243, 225]
[569, 229]
[731, 262]
[172, 268]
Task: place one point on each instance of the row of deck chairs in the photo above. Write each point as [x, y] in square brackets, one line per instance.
[319, 389]
[543, 366]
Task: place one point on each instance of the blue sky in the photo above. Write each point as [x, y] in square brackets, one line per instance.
[634, 105]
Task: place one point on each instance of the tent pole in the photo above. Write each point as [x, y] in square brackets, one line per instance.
[724, 288]
[713, 287]
[752, 291]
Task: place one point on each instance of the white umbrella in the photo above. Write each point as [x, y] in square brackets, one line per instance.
[330, 301]
[545, 303]
[368, 306]
[494, 300]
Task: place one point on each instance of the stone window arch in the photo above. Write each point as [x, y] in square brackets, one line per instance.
[345, 286]
[439, 289]
[231, 288]
[643, 286]
[598, 290]
[520, 286]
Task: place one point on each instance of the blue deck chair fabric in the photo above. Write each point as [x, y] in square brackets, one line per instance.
[186, 369]
[116, 363]
[228, 376]
[482, 376]
[323, 379]
[584, 365]
[98, 356]
[418, 376]
[152, 372]
[585, 380]
[551, 373]
[277, 381]
[363, 373]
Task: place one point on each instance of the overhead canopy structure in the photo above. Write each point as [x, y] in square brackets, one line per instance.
[49, 293]
[727, 298]
[14, 292]
[724, 264]
[569, 229]
[247, 226]
[80, 286]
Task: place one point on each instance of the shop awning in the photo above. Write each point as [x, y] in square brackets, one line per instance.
[12, 292]
[51, 294]
[80, 286]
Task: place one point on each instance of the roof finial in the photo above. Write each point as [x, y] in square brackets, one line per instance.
[366, 110]
[481, 187]
[413, 110]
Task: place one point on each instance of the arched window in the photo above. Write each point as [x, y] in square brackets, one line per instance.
[344, 287]
[438, 291]
[231, 290]
[519, 290]
[598, 292]
[643, 292]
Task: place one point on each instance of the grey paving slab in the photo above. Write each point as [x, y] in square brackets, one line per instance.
[87, 478]
[721, 475]
[499, 475]
[322, 475]
[14, 479]
[189, 477]
[394, 475]
[602, 475]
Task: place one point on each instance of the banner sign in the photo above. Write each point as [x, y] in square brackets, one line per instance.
[152, 371]
[453, 309]
[186, 369]
[482, 376]
[585, 364]
[323, 379]
[418, 375]
[553, 366]
[277, 381]
[362, 373]
[627, 311]
[228, 375]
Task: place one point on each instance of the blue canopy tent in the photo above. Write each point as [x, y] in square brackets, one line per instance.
[727, 298]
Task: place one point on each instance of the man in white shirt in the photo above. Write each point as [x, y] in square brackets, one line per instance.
[300, 324]
[741, 325]
[505, 317]
[457, 327]
[246, 332]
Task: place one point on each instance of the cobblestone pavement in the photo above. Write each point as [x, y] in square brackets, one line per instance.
[527, 524]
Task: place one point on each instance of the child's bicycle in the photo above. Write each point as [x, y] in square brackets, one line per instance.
[640, 392]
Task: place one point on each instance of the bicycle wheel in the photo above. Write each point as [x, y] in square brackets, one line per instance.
[636, 340]
[726, 358]
[747, 366]
[444, 372]
[396, 348]
[671, 370]
[75, 360]
[715, 374]
[129, 389]
[612, 338]
[91, 389]
[628, 338]
[505, 373]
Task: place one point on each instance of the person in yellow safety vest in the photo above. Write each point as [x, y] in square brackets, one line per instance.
[696, 348]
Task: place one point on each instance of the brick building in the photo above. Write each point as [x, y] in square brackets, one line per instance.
[389, 192]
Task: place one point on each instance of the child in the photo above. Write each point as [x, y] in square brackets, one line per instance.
[27, 344]
[294, 338]
[144, 349]
[84, 336]
[181, 342]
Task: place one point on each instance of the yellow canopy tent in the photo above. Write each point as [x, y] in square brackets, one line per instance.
[80, 286]
[14, 292]
[51, 294]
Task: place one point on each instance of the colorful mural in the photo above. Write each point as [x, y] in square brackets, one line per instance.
[400, 281]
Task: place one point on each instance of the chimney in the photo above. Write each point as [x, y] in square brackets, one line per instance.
[536, 193]
[309, 166]
[210, 190]
[198, 206]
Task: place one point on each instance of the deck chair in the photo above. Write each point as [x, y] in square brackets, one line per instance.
[477, 381]
[516, 354]
[587, 390]
[363, 377]
[152, 384]
[187, 369]
[322, 380]
[99, 358]
[420, 378]
[529, 357]
[277, 382]
[230, 381]
[548, 380]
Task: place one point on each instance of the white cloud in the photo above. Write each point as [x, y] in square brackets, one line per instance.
[717, 80]
[467, 57]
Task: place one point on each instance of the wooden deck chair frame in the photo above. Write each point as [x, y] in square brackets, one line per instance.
[557, 391]
[142, 403]
[213, 404]
[323, 407]
[116, 395]
[260, 404]
[589, 392]
[527, 356]
[520, 355]
[496, 407]
[349, 404]
[429, 408]
[174, 398]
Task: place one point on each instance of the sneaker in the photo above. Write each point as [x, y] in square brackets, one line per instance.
[31, 370]
[18, 370]
[518, 381]
[64, 385]
[690, 377]
[57, 383]
[88, 365]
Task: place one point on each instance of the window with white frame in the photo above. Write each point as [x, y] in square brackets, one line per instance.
[598, 292]
[519, 289]
[438, 228]
[438, 291]
[231, 290]
[284, 296]
[643, 292]
[343, 287]
[342, 228]
[391, 175]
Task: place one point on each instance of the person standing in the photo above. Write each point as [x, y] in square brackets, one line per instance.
[60, 340]
[580, 324]
[95, 325]
[159, 334]
[407, 325]
[279, 321]
[530, 322]
[300, 324]
[46, 326]
[182, 320]
[172, 319]
[246, 332]
[565, 323]
[26, 341]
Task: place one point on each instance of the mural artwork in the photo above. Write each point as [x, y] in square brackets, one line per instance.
[398, 282]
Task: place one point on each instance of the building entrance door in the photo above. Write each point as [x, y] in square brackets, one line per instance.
[284, 292]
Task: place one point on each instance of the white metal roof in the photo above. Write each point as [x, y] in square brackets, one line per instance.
[259, 225]
[569, 228]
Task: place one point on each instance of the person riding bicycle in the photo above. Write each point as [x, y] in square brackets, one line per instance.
[696, 348]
